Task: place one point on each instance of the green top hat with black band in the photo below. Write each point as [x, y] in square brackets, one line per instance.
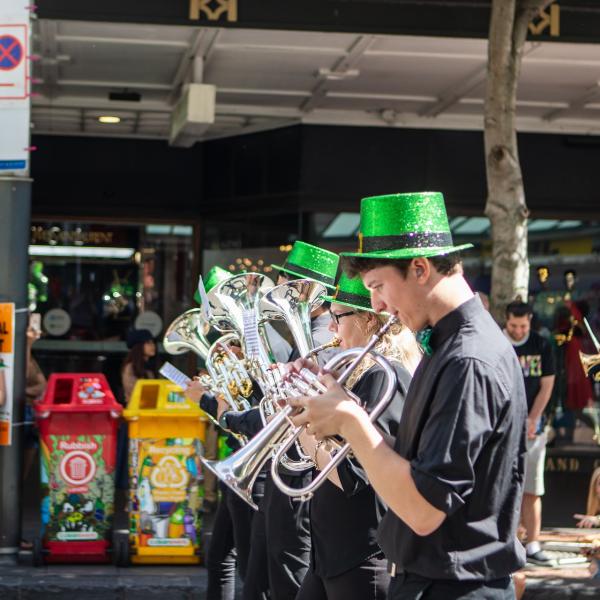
[213, 277]
[351, 292]
[404, 226]
[311, 262]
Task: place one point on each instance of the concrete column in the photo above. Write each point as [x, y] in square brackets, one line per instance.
[15, 210]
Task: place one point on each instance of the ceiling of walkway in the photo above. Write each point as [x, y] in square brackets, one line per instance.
[268, 79]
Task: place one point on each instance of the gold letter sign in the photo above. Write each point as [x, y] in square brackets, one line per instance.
[198, 8]
[548, 19]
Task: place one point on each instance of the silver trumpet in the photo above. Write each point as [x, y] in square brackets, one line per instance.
[239, 471]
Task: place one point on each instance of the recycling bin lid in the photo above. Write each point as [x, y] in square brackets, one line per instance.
[78, 392]
[160, 398]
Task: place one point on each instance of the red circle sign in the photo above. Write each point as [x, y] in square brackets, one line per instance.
[77, 468]
[11, 52]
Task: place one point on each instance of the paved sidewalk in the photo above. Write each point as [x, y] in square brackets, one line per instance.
[70, 582]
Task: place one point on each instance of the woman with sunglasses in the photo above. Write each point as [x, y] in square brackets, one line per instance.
[346, 562]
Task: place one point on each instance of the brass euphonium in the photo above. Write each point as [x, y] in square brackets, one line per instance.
[188, 332]
[239, 471]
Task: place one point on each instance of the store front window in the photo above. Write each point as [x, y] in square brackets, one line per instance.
[92, 282]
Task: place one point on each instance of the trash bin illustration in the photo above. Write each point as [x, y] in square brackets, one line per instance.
[77, 419]
[166, 439]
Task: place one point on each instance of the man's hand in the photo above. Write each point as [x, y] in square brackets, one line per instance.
[195, 390]
[532, 424]
[327, 414]
[587, 521]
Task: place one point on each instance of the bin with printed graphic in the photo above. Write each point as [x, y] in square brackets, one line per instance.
[78, 420]
[166, 440]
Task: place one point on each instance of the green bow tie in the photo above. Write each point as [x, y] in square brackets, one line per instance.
[423, 337]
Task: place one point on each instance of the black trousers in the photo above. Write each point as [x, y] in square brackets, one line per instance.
[367, 581]
[221, 556]
[412, 587]
[229, 545]
[282, 534]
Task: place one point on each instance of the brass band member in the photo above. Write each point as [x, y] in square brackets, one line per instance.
[453, 478]
[347, 563]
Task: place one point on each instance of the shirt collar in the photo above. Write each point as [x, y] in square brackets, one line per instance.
[453, 321]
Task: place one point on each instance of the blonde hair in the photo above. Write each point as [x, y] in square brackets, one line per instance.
[398, 344]
[593, 502]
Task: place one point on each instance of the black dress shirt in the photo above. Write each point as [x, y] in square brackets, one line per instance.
[463, 432]
[344, 522]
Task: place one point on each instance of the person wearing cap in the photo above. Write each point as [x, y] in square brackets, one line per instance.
[139, 362]
[346, 562]
[280, 528]
[453, 476]
[306, 261]
[231, 533]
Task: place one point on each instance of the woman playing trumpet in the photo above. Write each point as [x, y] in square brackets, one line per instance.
[346, 562]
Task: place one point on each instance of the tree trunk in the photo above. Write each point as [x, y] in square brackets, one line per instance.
[506, 207]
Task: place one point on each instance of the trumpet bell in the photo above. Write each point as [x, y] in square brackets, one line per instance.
[225, 473]
[188, 333]
[591, 365]
[294, 301]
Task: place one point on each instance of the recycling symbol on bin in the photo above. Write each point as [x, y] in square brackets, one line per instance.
[169, 473]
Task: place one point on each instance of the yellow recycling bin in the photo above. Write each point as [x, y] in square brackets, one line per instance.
[166, 439]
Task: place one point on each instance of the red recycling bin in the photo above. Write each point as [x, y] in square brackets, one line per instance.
[78, 420]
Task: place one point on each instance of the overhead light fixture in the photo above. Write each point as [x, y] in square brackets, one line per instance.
[337, 75]
[109, 119]
[80, 251]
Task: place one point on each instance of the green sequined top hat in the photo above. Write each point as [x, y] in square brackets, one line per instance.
[308, 261]
[352, 293]
[404, 226]
[213, 277]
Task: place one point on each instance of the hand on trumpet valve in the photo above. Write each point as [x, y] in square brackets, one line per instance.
[328, 413]
[298, 365]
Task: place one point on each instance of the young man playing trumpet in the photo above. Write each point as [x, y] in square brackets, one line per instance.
[346, 562]
[452, 478]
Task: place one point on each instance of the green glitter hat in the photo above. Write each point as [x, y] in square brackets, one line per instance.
[213, 277]
[351, 292]
[308, 261]
[404, 226]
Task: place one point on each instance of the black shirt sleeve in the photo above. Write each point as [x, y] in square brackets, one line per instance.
[548, 367]
[208, 403]
[370, 388]
[246, 422]
[462, 416]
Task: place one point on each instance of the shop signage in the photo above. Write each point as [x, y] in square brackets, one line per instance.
[213, 10]
[7, 356]
[71, 237]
